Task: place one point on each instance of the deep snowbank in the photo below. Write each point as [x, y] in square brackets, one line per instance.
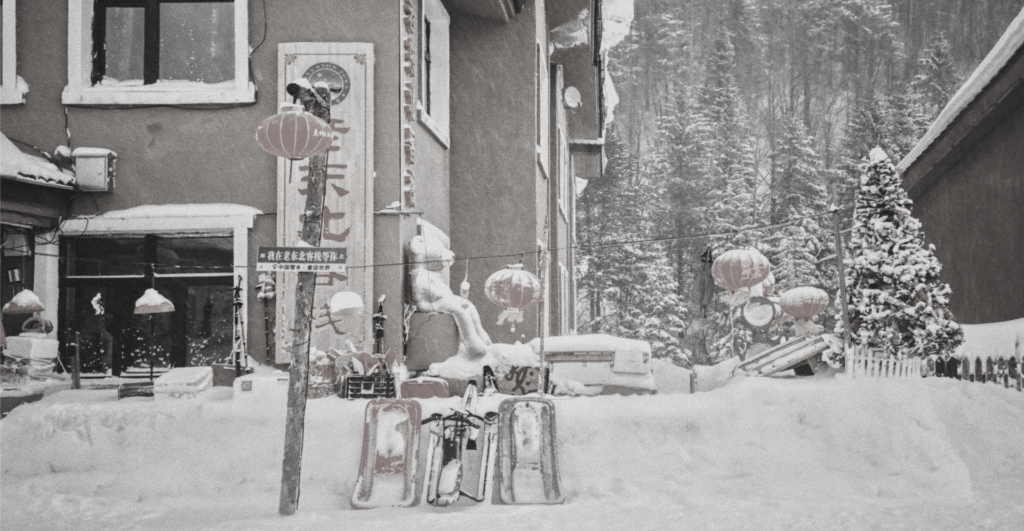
[758, 453]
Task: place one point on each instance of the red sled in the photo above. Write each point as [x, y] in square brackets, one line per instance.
[389, 463]
[527, 463]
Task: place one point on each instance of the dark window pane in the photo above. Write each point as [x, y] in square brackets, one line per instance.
[209, 325]
[197, 41]
[195, 255]
[124, 42]
[106, 256]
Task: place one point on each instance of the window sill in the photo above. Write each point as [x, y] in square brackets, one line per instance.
[13, 94]
[159, 94]
[432, 126]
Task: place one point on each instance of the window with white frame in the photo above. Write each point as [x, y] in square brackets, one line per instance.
[162, 52]
[434, 69]
[564, 175]
[12, 87]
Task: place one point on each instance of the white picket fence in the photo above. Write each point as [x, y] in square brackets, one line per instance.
[861, 362]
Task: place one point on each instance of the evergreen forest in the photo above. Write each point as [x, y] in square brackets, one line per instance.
[737, 124]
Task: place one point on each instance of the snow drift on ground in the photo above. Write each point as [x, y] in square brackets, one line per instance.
[759, 453]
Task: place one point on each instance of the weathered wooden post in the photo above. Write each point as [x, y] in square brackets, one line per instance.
[841, 270]
[316, 101]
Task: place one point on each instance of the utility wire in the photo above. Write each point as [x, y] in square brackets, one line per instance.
[613, 243]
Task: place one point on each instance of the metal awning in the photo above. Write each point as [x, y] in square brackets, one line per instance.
[20, 166]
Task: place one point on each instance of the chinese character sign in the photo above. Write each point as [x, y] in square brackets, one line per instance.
[347, 68]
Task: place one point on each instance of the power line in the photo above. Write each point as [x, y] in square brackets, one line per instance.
[612, 243]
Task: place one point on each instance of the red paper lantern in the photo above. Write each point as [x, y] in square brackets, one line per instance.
[804, 303]
[294, 133]
[740, 268]
[514, 289]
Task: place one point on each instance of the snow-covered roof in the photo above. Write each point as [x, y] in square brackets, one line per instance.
[16, 164]
[994, 62]
[182, 210]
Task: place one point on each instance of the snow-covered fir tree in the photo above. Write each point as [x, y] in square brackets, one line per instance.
[898, 306]
[627, 284]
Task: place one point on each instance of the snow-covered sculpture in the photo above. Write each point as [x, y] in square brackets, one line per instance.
[431, 293]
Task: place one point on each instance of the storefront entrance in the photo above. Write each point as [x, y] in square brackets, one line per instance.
[103, 278]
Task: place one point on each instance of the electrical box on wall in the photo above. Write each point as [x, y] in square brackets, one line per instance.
[94, 169]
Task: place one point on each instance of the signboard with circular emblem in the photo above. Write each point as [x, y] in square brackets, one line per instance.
[332, 74]
[760, 311]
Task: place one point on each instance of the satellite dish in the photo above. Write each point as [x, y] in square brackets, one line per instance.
[571, 97]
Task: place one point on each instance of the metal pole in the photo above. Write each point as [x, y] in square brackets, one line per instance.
[315, 101]
[76, 369]
[841, 270]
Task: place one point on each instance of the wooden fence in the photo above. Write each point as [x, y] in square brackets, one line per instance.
[1001, 371]
[861, 362]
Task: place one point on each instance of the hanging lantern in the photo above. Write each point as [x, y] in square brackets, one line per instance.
[153, 302]
[515, 289]
[294, 133]
[804, 303]
[740, 268]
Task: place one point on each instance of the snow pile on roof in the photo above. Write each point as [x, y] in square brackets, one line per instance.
[183, 211]
[617, 16]
[993, 340]
[19, 165]
[572, 33]
[760, 453]
[1008, 44]
[590, 342]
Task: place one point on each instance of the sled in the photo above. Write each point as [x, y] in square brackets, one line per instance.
[458, 441]
[388, 465]
[526, 471]
[784, 356]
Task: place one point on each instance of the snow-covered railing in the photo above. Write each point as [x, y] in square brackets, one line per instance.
[999, 370]
[862, 362]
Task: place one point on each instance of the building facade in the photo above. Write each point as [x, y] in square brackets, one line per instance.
[450, 117]
[966, 178]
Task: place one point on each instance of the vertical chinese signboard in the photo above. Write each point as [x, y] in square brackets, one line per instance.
[348, 198]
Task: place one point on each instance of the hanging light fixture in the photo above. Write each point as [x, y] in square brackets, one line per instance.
[514, 289]
[152, 302]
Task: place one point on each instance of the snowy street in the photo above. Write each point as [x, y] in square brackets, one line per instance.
[817, 453]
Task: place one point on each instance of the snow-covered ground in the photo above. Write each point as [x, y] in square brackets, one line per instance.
[756, 453]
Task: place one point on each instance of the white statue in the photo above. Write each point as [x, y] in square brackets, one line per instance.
[431, 293]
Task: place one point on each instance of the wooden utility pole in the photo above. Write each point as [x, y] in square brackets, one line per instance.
[842, 271]
[317, 102]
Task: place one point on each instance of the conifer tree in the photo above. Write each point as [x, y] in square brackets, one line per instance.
[628, 283]
[898, 306]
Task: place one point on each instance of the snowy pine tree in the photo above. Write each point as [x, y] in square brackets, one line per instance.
[628, 284]
[898, 306]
